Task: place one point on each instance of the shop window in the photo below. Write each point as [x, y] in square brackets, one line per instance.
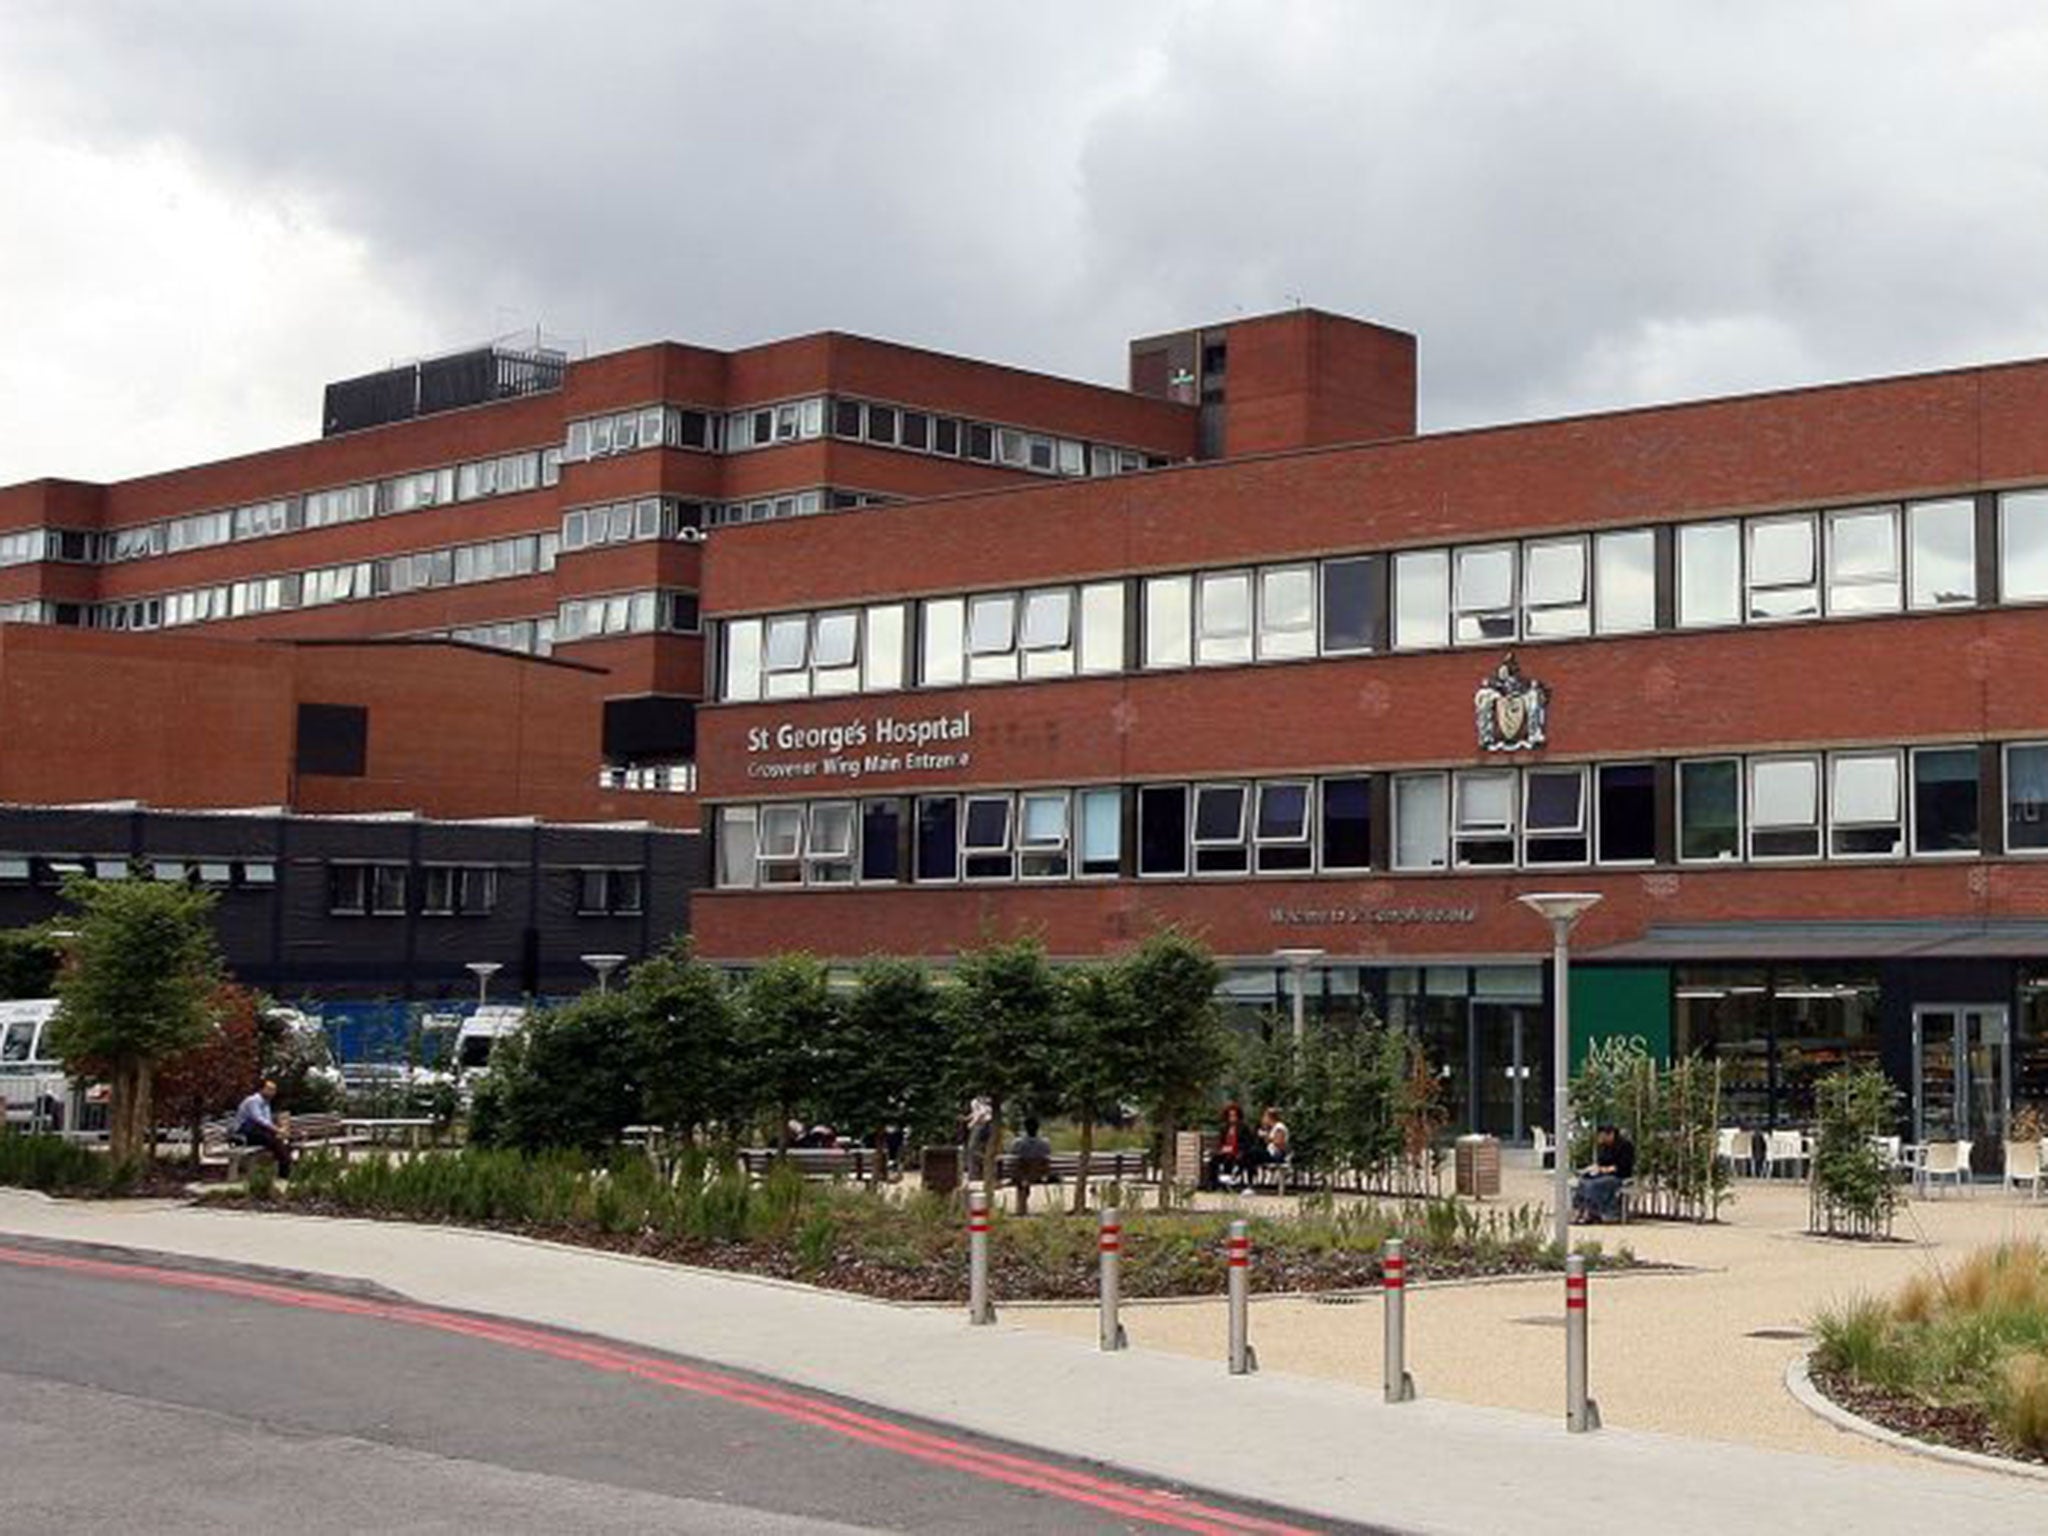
[881, 824]
[985, 838]
[786, 664]
[1042, 852]
[1554, 816]
[1163, 829]
[938, 837]
[781, 851]
[1484, 593]
[2026, 798]
[992, 637]
[1102, 627]
[1422, 599]
[829, 843]
[737, 868]
[1045, 634]
[1781, 569]
[2023, 546]
[1627, 813]
[1710, 809]
[1287, 611]
[1419, 836]
[1101, 825]
[1347, 614]
[1941, 553]
[1223, 617]
[1866, 813]
[1168, 619]
[1219, 829]
[882, 656]
[1483, 803]
[1346, 823]
[1945, 793]
[1784, 807]
[1281, 826]
[835, 652]
[1863, 561]
[945, 637]
[1555, 595]
[1709, 574]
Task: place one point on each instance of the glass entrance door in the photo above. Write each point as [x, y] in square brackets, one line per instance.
[1962, 1079]
[1511, 1069]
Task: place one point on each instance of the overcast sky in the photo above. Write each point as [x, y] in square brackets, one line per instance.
[209, 209]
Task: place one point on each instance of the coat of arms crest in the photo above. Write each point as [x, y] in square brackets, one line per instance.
[1510, 710]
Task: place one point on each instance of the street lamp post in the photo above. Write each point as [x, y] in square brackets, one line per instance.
[1562, 910]
[483, 971]
[604, 965]
[1299, 960]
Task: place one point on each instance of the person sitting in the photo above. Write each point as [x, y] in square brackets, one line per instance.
[1276, 1145]
[1233, 1150]
[1596, 1197]
[255, 1127]
[1030, 1163]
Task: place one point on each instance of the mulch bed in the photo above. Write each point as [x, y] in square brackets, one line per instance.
[1959, 1426]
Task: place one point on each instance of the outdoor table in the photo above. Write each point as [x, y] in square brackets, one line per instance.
[373, 1128]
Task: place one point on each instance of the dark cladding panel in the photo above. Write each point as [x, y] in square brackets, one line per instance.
[370, 401]
[650, 726]
[449, 383]
[334, 739]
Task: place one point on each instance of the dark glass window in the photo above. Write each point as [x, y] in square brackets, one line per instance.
[881, 424]
[917, 430]
[946, 436]
[1945, 800]
[1347, 823]
[938, 838]
[1710, 809]
[348, 889]
[1163, 829]
[846, 418]
[2026, 797]
[626, 892]
[981, 441]
[1628, 813]
[1347, 605]
[880, 823]
[696, 429]
[764, 427]
[590, 892]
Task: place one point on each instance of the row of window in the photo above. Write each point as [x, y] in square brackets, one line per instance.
[220, 873]
[1865, 803]
[530, 637]
[763, 509]
[625, 613]
[638, 521]
[465, 890]
[863, 421]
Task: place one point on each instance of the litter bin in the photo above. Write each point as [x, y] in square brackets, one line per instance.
[940, 1169]
[1478, 1166]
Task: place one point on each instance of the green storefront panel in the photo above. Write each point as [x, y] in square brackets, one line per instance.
[1610, 1001]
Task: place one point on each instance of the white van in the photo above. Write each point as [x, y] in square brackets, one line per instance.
[482, 1030]
[33, 1087]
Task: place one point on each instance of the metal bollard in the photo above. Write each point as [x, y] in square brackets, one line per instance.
[1400, 1386]
[1243, 1358]
[980, 1310]
[1110, 1240]
[1581, 1413]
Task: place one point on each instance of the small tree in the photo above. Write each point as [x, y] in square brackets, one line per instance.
[29, 961]
[885, 1063]
[1098, 1058]
[1853, 1190]
[213, 1076]
[1003, 1008]
[786, 1016]
[567, 1079]
[139, 989]
[686, 1043]
[1178, 1031]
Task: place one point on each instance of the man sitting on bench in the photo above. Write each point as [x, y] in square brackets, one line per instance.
[254, 1125]
[1597, 1195]
[1030, 1163]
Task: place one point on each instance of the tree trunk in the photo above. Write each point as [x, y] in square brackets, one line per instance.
[128, 1114]
[875, 1169]
[198, 1129]
[1087, 1155]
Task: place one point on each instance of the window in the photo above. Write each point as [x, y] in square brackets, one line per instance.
[1627, 813]
[110, 869]
[1223, 617]
[881, 827]
[835, 652]
[14, 869]
[742, 659]
[1557, 600]
[437, 892]
[779, 855]
[1045, 633]
[1346, 823]
[1625, 582]
[1102, 627]
[1419, 804]
[1554, 816]
[1781, 569]
[1784, 808]
[258, 873]
[938, 838]
[992, 637]
[1709, 574]
[1168, 614]
[1287, 611]
[1866, 816]
[1281, 830]
[612, 892]
[1863, 561]
[387, 890]
[985, 838]
[1101, 823]
[738, 867]
[1941, 553]
[2023, 546]
[883, 659]
[828, 855]
[1219, 829]
[1945, 800]
[358, 890]
[1710, 809]
[945, 636]
[1485, 594]
[1421, 599]
[1484, 804]
[1349, 617]
[1042, 835]
[2026, 798]
[1163, 829]
[786, 674]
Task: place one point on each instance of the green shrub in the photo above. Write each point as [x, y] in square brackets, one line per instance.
[53, 1165]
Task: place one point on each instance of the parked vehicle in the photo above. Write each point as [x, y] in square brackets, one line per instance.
[33, 1087]
[482, 1030]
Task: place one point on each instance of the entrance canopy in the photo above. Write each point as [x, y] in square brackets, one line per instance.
[1918, 940]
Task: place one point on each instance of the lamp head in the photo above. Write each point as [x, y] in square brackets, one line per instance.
[1560, 908]
[1300, 959]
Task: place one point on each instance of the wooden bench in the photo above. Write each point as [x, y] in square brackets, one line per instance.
[315, 1132]
[1119, 1167]
[823, 1163]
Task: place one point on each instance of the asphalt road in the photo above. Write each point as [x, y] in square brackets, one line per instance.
[141, 1393]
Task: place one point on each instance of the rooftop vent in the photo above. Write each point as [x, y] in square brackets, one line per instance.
[475, 377]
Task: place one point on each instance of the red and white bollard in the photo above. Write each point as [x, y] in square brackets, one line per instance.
[980, 1310]
[1243, 1359]
[1110, 1243]
[1581, 1413]
[1400, 1386]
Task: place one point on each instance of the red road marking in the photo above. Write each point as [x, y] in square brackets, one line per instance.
[996, 1466]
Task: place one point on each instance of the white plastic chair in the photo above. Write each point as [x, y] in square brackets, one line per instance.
[1783, 1147]
[1540, 1138]
[2023, 1165]
[1946, 1160]
[1733, 1146]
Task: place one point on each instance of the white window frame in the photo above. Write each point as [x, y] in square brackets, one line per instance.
[1912, 793]
[1288, 642]
[1901, 794]
[1464, 607]
[1218, 644]
[1508, 831]
[1816, 762]
[1397, 815]
[1534, 613]
[1741, 811]
[1414, 570]
[1753, 588]
[1583, 830]
[2005, 779]
[1835, 585]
